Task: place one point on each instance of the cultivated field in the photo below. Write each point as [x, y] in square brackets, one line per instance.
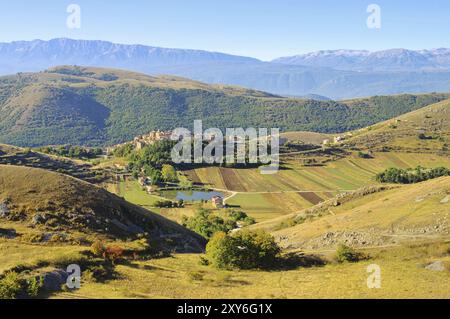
[296, 187]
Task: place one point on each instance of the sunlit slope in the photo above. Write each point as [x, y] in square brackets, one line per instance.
[95, 106]
[424, 130]
[348, 173]
[54, 201]
[385, 217]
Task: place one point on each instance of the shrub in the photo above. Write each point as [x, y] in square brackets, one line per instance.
[364, 155]
[99, 272]
[195, 276]
[11, 286]
[204, 261]
[347, 254]
[422, 136]
[166, 204]
[98, 248]
[34, 286]
[239, 216]
[410, 176]
[59, 238]
[113, 253]
[242, 250]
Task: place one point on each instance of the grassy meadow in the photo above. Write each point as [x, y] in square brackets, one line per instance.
[181, 276]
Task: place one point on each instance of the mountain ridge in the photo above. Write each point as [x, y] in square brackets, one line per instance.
[97, 106]
[363, 60]
[386, 77]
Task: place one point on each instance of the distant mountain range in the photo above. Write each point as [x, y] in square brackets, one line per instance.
[335, 74]
[388, 60]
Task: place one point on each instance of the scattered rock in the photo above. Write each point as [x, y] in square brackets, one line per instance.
[53, 281]
[445, 200]
[351, 238]
[39, 219]
[436, 266]
[4, 210]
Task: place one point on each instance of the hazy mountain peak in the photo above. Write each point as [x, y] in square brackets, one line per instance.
[340, 52]
[398, 59]
[333, 73]
[38, 54]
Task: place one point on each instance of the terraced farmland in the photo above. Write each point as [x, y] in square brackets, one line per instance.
[297, 187]
[345, 174]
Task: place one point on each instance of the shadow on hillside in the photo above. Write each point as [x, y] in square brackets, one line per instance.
[293, 261]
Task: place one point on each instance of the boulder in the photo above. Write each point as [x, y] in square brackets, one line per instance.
[436, 266]
[53, 281]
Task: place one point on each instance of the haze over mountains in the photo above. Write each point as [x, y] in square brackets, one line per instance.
[388, 60]
[335, 74]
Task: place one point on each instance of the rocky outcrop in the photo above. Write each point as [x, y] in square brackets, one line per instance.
[4, 210]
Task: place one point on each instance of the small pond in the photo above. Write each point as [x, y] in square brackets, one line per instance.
[190, 196]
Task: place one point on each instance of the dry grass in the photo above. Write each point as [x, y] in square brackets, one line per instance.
[403, 214]
[402, 132]
[182, 277]
[75, 205]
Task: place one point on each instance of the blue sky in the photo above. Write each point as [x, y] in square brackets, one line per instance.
[264, 29]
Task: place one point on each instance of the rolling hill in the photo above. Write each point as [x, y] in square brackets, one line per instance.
[373, 216]
[10, 155]
[423, 130]
[56, 202]
[95, 106]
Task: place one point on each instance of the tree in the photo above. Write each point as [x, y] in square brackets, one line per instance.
[124, 150]
[152, 173]
[409, 176]
[169, 174]
[243, 250]
[221, 251]
[207, 224]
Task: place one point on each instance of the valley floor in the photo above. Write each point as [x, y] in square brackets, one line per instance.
[292, 189]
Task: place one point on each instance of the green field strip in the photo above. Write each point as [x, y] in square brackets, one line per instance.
[308, 183]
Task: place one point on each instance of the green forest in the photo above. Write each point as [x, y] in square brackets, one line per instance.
[108, 109]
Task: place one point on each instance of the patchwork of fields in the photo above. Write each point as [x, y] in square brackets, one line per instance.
[296, 187]
[346, 174]
[292, 189]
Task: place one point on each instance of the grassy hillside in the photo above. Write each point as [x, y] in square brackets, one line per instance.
[92, 106]
[10, 155]
[403, 276]
[423, 130]
[312, 138]
[369, 217]
[58, 203]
